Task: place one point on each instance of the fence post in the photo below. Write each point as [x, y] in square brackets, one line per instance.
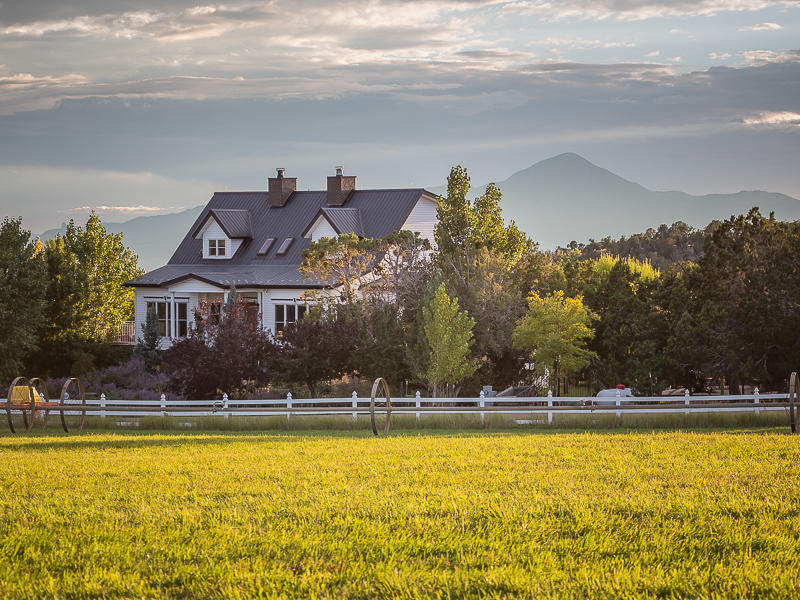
[756, 400]
[288, 405]
[225, 406]
[482, 404]
[103, 406]
[163, 405]
[686, 400]
[418, 403]
[618, 402]
[355, 405]
[550, 404]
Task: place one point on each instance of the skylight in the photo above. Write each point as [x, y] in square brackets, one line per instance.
[266, 246]
[284, 248]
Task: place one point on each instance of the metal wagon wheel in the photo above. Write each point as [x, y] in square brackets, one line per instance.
[24, 407]
[380, 382]
[38, 384]
[68, 402]
[793, 385]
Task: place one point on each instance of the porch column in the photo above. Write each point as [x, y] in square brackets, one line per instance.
[261, 307]
[173, 327]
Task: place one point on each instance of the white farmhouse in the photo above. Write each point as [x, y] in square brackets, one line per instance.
[253, 241]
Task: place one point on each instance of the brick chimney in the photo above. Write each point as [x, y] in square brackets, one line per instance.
[280, 188]
[340, 187]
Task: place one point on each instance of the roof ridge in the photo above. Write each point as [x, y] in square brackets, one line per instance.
[414, 189]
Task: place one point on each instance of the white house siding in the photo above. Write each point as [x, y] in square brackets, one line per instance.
[422, 219]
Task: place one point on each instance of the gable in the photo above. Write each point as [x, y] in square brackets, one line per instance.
[320, 228]
[423, 218]
[235, 223]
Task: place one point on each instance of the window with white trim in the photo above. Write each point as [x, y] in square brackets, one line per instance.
[182, 319]
[286, 314]
[163, 310]
[216, 247]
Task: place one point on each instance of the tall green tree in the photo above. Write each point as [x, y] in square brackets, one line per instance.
[746, 300]
[478, 255]
[22, 288]
[631, 326]
[87, 269]
[448, 331]
[464, 226]
[555, 331]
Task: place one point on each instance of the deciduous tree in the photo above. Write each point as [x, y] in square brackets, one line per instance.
[555, 331]
[22, 287]
[342, 262]
[221, 355]
[316, 348]
[87, 270]
[448, 331]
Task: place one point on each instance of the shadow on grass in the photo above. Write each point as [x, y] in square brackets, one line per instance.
[110, 439]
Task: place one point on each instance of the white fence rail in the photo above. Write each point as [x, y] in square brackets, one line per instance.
[514, 406]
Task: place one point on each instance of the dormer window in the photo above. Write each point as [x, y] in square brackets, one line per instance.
[216, 248]
[223, 231]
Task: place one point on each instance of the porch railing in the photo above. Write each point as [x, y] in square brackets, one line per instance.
[126, 334]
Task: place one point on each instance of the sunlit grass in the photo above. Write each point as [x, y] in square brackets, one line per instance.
[420, 514]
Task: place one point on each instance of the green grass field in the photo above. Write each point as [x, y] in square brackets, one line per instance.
[421, 514]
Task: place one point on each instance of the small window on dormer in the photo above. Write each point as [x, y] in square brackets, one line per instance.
[216, 247]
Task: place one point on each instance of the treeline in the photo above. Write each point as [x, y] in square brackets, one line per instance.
[488, 308]
[660, 247]
[62, 300]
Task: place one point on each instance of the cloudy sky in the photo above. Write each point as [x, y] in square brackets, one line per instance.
[133, 108]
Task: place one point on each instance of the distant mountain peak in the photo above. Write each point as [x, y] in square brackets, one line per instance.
[567, 197]
[570, 157]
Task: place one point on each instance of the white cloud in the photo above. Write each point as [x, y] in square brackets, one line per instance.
[762, 27]
[635, 10]
[719, 55]
[770, 56]
[653, 54]
[581, 43]
[775, 119]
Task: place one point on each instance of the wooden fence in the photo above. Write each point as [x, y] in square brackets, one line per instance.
[355, 406]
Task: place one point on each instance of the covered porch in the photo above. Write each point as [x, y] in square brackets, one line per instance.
[176, 304]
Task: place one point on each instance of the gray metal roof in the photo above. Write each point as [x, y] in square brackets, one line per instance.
[238, 276]
[345, 220]
[381, 212]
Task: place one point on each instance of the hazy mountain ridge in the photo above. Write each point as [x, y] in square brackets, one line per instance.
[555, 201]
[567, 198]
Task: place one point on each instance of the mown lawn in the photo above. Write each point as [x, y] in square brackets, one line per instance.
[241, 515]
